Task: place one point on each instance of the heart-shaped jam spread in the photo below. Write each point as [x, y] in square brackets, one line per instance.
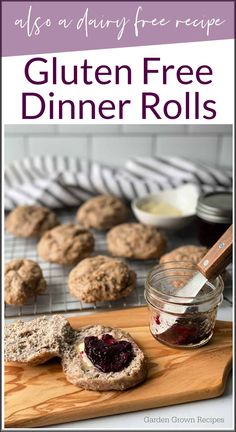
[108, 354]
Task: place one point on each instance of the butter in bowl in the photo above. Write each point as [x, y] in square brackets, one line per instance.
[173, 208]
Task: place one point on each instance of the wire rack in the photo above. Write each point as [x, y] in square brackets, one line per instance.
[57, 297]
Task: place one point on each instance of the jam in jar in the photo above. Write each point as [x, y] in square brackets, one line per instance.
[214, 216]
[181, 321]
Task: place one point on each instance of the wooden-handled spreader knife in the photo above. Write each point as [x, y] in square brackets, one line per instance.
[210, 266]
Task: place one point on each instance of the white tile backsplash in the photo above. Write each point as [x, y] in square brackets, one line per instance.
[202, 148]
[226, 152]
[14, 148]
[210, 129]
[64, 146]
[25, 129]
[88, 129]
[153, 129]
[116, 150]
[113, 144]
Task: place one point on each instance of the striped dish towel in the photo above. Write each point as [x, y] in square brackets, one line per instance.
[58, 181]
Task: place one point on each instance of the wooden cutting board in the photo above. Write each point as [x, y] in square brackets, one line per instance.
[41, 396]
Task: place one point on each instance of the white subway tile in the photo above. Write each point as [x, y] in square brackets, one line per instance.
[88, 129]
[226, 152]
[153, 129]
[211, 129]
[116, 150]
[114, 144]
[202, 148]
[14, 149]
[65, 146]
[19, 129]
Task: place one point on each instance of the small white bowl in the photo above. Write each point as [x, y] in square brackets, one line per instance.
[183, 198]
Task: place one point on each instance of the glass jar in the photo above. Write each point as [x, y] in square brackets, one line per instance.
[214, 216]
[181, 321]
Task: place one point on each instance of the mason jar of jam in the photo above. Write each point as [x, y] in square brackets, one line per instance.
[175, 320]
[214, 216]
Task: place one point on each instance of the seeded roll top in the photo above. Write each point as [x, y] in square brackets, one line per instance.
[66, 244]
[23, 279]
[135, 240]
[190, 253]
[30, 221]
[101, 278]
[102, 212]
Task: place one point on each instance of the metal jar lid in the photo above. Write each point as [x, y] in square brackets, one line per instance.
[215, 207]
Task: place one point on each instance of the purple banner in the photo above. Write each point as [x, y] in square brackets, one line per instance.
[44, 27]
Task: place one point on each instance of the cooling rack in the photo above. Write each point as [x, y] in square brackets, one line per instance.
[57, 298]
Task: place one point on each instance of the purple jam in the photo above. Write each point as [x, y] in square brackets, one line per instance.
[185, 332]
[108, 354]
